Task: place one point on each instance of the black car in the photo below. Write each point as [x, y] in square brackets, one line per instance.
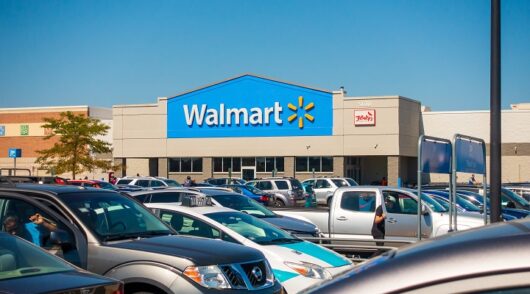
[26, 268]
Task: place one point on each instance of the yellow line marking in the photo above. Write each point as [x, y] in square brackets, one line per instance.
[310, 106]
[292, 117]
[309, 117]
[301, 122]
[292, 107]
[300, 101]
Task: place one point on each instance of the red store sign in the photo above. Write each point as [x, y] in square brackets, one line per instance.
[364, 117]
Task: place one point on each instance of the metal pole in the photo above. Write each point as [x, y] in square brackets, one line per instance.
[15, 169]
[419, 187]
[452, 186]
[495, 113]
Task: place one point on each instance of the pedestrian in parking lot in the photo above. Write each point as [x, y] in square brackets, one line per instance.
[188, 182]
[472, 180]
[384, 182]
[378, 227]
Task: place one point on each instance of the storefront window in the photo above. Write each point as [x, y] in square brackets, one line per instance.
[196, 165]
[217, 164]
[327, 164]
[236, 164]
[279, 164]
[301, 164]
[319, 164]
[185, 164]
[269, 164]
[249, 161]
[260, 164]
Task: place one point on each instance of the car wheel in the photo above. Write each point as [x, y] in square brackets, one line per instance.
[279, 203]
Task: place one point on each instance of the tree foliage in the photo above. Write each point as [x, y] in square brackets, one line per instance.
[76, 146]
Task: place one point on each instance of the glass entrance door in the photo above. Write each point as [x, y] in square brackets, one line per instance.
[248, 173]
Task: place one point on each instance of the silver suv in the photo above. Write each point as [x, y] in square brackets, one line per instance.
[286, 191]
[325, 187]
[113, 235]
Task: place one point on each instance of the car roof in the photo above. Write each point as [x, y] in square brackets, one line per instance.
[55, 189]
[196, 209]
[499, 247]
[170, 189]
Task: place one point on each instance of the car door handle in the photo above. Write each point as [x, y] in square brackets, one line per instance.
[392, 220]
[342, 218]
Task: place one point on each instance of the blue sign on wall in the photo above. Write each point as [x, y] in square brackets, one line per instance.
[436, 157]
[470, 157]
[250, 106]
[14, 152]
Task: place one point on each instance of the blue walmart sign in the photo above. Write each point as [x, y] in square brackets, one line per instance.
[250, 106]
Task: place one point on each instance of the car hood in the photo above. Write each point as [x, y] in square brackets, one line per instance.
[519, 213]
[200, 251]
[291, 224]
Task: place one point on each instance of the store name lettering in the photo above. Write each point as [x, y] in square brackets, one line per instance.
[232, 116]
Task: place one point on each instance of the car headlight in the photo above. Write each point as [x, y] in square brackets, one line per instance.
[309, 270]
[209, 276]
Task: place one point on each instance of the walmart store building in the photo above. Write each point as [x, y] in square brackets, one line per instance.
[256, 127]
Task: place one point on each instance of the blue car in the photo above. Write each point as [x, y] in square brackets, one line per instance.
[477, 198]
[251, 192]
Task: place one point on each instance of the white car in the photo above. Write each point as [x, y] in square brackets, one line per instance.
[148, 182]
[296, 263]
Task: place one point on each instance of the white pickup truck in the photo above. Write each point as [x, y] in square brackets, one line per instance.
[352, 210]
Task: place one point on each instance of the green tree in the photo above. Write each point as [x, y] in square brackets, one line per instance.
[76, 146]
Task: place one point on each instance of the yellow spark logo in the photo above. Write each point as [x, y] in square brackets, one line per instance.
[307, 108]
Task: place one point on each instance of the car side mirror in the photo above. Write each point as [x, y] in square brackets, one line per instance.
[424, 209]
[60, 238]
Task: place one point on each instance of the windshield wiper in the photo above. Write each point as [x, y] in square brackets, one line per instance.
[281, 241]
[135, 235]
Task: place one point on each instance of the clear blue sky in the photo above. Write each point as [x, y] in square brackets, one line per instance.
[101, 53]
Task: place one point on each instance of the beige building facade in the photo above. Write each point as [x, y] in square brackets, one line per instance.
[369, 137]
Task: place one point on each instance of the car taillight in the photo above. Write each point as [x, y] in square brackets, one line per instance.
[264, 198]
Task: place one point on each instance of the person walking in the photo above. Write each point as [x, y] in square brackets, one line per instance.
[188, 182]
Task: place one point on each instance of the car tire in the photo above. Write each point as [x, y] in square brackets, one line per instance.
[278, 203]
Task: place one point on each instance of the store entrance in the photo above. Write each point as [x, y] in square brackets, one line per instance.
[248, 173]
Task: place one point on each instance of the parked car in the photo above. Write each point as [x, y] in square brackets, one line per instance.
[225, 181]
[298, 264]
[352, 212]
[521, 189]
[287, 191]
[26, 268]
[111, 234]
[220, 197]
[251, 192]
[325, 187]
[490, 259]
[145, 182]
[33, 179]
[93, 184]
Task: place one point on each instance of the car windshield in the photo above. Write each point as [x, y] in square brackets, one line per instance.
[172, 183]
[340, 183]
[253, 229]
[108, 186]
[19, 258]
[254, 190]
[515, 197]
[466, 204]
[352, 182]
[434, 205]
[111, 216]
[123, 182]
[243, 204]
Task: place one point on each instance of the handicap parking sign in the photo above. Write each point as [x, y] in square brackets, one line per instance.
[15, 152]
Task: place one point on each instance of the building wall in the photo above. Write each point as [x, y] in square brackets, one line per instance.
[12, 119]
